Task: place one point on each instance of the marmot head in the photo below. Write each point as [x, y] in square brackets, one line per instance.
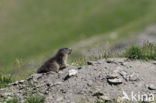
[65, 51]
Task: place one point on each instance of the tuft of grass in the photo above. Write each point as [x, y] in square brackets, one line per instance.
[5, 80]
[134, 52]
[13, 100]
[79, 62]
[147, 52]
[35, 99]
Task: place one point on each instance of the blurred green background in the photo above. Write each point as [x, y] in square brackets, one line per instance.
[32, 30]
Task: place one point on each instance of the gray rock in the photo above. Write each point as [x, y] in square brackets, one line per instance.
[59, 99]
[112, 76]
[106, 98]
[98, 93]
[124, 75]
[89, 82]
[111, 61]
[21, 82]
[151, 87]
[133, 77]
[91, 62]
[115, 81]
[15, 83]
[72, 72]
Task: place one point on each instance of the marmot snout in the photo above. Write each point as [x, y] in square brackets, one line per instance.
[56, 63]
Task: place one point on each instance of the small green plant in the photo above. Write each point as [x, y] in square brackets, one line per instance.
[5, 80]
[13, 100]
[80, 62]
[147, 52]
[35, 99]
[134, 52]
[100, 100]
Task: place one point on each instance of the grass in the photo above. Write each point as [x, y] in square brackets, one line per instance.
[13, 100]
[29, 99]
[5, 80]
[35, 99]
[147, 52]
[31, 31]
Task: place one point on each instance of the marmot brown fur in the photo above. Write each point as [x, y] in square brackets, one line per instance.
[56, 63]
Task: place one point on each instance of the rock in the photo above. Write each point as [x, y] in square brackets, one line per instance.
[36, 76]
[151, 87]
[115, 81]
[110, 61]
[97, 94]
[57, 83]
[21, 82]
[154, 62]
[124, 75]
[133, 77]
[106, 98]
[59, 99]
[112, 76]
[15, 83]
[90, 62]
[72, 72]
[90, 82]
[117, 69]
[79, 68]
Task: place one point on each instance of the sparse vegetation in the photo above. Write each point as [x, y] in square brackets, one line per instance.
[29, 99]
[35, 99]
[13, 100]
[79, 62]
[147, 52]
[5, 80]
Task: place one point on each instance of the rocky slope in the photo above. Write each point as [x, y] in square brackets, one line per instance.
[108, 78]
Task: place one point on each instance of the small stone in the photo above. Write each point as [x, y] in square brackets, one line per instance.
[115, 81]
[36, 76]
[112, 76]
[154, 62]
[90, 62]
[46, 92]
[58, 83]
[59, 99]
[151, 87]
[106, 98]
[110, 61]
[48, 84]
[29, 78]
[122, 63]
[72, 72]
[124, 75]
[89, 83]
[98, 94]
[22, 81]
[79, 68]
[133, 77]
[117, 70]
[15, 83]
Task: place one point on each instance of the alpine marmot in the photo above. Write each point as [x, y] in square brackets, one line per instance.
[56, 63]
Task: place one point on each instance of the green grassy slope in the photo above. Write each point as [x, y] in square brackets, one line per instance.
[31, 30]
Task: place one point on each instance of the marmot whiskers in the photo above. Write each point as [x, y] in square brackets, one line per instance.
[56, 63]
